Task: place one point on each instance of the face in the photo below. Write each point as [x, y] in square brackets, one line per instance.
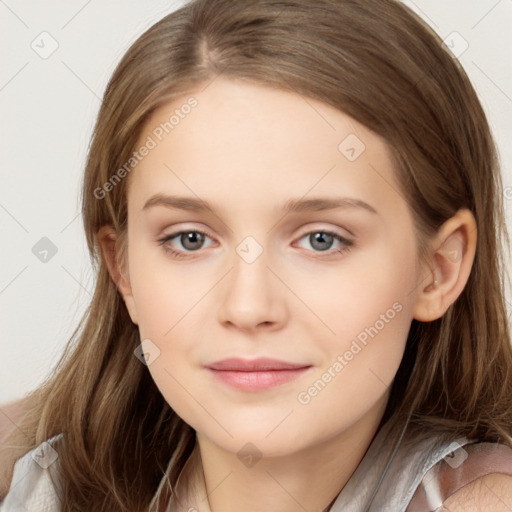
[328, 285]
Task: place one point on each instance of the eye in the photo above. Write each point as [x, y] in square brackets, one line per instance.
[191, 241]
[322, 241]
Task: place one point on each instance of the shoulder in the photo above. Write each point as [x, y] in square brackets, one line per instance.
[10, 415]
[34, 479]
[491, 492]
[474, 477]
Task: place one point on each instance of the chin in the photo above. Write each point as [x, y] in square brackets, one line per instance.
[258, 439]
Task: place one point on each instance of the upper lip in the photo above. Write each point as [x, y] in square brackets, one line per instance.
[254, 365]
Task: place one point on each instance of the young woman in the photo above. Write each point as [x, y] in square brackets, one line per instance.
[295, 213]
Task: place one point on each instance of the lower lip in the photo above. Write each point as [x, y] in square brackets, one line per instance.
[258, 380]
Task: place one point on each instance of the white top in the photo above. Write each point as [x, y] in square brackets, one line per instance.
[383, 481]
[31, 489]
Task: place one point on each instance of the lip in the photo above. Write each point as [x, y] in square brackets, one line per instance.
[256, 374]
[254, 365]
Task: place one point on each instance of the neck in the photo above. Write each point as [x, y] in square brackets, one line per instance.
[309, 479]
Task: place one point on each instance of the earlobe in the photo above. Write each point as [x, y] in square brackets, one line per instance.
[108, 241]
[453, 254]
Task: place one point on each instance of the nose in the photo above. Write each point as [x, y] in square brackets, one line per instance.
[251, 296]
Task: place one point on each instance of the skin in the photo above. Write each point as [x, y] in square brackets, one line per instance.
[246, 149]
[491, 493]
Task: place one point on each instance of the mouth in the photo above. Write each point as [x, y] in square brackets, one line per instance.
[256, 374]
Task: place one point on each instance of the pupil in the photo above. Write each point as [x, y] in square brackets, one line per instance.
[321, 238]
[193, 238]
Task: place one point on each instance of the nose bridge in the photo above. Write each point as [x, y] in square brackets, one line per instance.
[250, 274]
[249, 296]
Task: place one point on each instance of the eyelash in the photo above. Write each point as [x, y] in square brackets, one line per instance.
[180, 255]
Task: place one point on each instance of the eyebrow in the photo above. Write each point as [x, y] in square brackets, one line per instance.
[290, 206]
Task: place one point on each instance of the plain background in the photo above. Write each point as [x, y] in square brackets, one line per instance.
[48, 106]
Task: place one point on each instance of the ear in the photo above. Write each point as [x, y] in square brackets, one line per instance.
[114, 252]
[452, 258]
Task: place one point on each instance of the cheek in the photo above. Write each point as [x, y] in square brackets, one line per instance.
[374, 287]
[164, 292]
[165, 300]
[360, 360]
[368, 312]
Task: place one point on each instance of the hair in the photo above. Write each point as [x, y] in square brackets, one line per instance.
[123, 446]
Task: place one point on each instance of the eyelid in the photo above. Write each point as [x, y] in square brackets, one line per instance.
[166, 237]
[314, 229]
[318, 227]
[346, 240]
[174, 231]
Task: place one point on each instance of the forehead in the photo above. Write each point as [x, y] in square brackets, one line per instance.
[259, 145]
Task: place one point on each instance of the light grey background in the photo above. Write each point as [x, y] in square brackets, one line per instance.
[47, 109]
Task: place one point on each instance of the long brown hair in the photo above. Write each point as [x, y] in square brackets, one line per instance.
[375, 60]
